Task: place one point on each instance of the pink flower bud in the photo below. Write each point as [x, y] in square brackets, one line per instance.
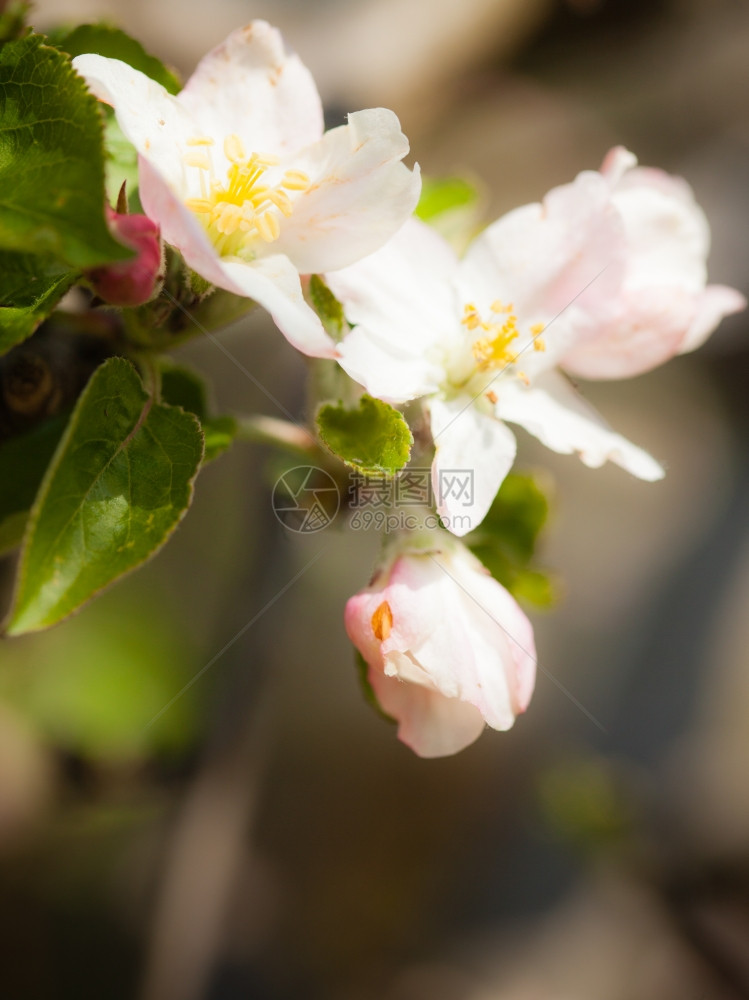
[130, 282]
[448, 649]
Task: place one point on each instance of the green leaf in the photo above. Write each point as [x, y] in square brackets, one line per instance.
[121, 163]
[373, 439]
[106, 40]
[440, 195]
[327, 307]
[219, 436]
[183, 387]
[120, 481]
[51, 159]
[506, 539]
[30, 288]
[452, 205]
[23, 462]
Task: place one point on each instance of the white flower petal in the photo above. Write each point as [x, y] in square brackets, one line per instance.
[361, 193]
[250, 86]
[428, 722]
[401, 302]
[474, 453]
[273, 282]
[553, 412]
[154, 121]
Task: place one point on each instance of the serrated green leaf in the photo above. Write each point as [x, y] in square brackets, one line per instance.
[506, 539]
[120, 481]
[51, 159]
[107, 40]
[374, 439]
[30, 288]
[23, 462]
[327, 307]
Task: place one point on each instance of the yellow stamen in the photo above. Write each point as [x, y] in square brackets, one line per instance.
[243, 207]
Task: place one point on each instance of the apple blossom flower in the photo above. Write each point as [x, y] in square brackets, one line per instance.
[448, 649]
[237, 172]
[605, 278]
[135, 281]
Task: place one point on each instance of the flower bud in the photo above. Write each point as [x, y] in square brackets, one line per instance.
[447, 647]
[135, 281]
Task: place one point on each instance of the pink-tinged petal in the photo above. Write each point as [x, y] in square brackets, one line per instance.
[428, 722]
[560, 418]
[401, 302]
[546, 260]
[448, 648]
[179, 226]
[361, 193]
[667, 235]
[249, 85]
[493, 605]
[617, 162]
[648, 330]
[715, 302]
[154, 121]
[474, 453]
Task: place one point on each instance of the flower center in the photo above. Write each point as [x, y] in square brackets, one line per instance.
[496, 348]
[244, 207]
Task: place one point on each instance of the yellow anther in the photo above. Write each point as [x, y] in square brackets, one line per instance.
[268, 227]
[492, 351]
[296, 180]
[471, 318]
[281, 200]
[539, 344]
[199, 160]
[233, 148]
[242, 206]
[498, 307]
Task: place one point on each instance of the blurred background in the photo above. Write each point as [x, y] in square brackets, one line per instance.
[264, 835]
